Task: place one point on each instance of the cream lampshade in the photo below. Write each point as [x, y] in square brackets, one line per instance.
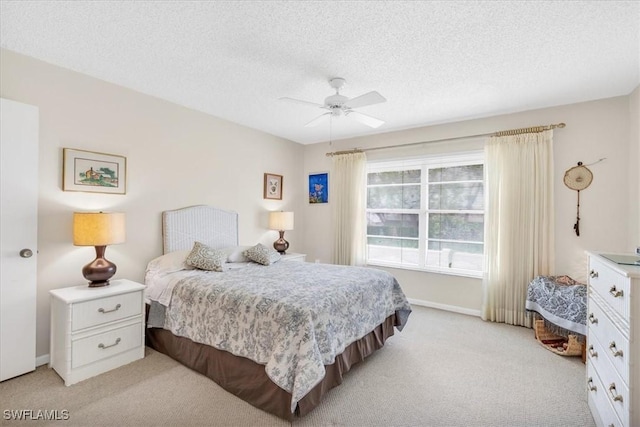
[281, 221]
[98, 229]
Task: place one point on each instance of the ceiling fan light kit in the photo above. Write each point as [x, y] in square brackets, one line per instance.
[338, 105]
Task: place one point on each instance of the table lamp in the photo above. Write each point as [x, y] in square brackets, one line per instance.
[281, 221]
[98, 229]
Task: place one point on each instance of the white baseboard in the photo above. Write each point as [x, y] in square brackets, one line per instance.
[444, 307]
[42, 360]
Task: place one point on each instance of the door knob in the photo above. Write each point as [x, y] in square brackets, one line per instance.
[26, 253]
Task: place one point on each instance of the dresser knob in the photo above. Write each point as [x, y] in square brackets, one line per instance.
[592, 352]
[614, 350]
[593, 274]
[590, 385]
[612, 392]
[592, 318]
[26, 253]
[616, 293]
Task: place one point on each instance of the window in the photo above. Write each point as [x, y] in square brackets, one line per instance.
[427, 213]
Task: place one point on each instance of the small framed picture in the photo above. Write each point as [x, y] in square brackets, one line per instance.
[272, 186]
[93, 172]
[319, 187]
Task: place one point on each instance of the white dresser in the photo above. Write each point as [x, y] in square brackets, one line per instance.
[94, 330]
[613, 342]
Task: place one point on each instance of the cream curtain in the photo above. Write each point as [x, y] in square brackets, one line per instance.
[519, 222]
[348, 183]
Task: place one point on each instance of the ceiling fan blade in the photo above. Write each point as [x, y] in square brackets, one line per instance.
[300, 101]
[365, 119]
[321, 118]
[369, 98]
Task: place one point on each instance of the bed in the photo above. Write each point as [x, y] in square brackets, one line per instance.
[278, 336]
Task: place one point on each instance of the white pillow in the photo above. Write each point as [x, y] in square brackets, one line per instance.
[235, 254]
[262, 254]
[205, 257]
[169, 263]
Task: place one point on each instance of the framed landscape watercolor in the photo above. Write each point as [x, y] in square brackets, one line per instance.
[93, 172]
[272, 186]
[319, 187]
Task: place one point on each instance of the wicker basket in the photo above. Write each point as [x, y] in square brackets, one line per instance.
[555, 343]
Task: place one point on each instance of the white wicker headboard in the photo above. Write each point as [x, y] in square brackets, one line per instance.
[214, 227]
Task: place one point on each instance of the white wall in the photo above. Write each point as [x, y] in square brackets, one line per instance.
[594, 130]
[634, 170]
[176, 157]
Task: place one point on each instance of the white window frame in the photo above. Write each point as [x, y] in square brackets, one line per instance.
[425, 163]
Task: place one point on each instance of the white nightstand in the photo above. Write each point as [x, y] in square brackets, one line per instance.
[292, 256]
[94, 330]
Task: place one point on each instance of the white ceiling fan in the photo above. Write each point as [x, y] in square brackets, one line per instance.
[338, 105]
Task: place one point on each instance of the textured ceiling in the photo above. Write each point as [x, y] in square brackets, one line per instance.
[435, 62]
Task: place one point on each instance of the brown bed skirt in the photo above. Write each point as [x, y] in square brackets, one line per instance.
[248, 380]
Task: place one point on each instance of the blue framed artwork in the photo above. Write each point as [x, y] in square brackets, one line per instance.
[319, 187]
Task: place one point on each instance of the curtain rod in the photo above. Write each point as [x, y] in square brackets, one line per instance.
[534, 129]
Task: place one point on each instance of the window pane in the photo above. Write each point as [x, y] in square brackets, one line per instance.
[457, 227]
[392, 224]
[394, 197]
[465, 256]
[469, 196]
[457, 173]
[394, 177]
[398, 251]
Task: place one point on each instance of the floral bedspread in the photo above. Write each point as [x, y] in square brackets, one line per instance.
[292, 317]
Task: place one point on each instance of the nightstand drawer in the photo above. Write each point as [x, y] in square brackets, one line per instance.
[96, 312]
[100, 346]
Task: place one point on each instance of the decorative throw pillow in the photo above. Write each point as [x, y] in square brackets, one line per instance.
[206, 258]
[262, 254]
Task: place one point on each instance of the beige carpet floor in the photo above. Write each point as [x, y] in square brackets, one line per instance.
[444, 369]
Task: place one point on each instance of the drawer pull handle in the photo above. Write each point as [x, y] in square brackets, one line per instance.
[593, 274]
[590, 385]
[103, 311]
[102, 346]
[616, 293]
[612, 391]
[592, 352]
[592, 318]
[614, 350]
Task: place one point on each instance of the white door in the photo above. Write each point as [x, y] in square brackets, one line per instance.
[19, 237]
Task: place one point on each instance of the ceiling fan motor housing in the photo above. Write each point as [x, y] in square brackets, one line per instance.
[335, 103]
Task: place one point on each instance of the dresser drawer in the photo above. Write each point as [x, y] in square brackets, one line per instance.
[100, 346]
[96, 312]
[613, 287]
[615, 343]
[615, 389]
[599, 401]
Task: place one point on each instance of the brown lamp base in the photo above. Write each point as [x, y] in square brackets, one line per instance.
[100, 270]
[281, 245]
